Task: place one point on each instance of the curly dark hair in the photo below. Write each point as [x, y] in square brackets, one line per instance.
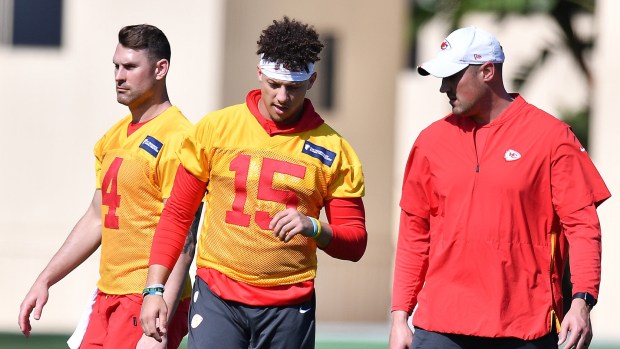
[290, 43]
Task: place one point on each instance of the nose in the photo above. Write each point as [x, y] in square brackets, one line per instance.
[119, 74]
[282, 94]
[445, 85]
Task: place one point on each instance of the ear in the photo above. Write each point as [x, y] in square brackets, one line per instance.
[161, 69]
[311, 80]
[488, 71]
[259, 73]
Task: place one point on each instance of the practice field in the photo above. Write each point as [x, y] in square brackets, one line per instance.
[17, 341]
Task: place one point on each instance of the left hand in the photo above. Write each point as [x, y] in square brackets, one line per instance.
[290, 222]
[577, 321]
[147, 342]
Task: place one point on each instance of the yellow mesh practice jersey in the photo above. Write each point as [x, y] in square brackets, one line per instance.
[135, 173]
[250, 177]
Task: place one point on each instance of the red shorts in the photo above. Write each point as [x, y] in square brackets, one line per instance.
[115, 323]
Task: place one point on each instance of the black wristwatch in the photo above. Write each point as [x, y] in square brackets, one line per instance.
[588, 298]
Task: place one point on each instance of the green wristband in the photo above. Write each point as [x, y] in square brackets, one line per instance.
[149, 291]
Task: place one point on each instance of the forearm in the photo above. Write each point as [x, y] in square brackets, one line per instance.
[81, 243]
[345, 235]
[583, 231]
[176, 219]
[180, 273]
[175, 284]
[399, 317]
[411, 261]
[158, 274]
[401, 335]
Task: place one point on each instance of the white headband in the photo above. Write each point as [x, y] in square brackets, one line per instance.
[278, 72]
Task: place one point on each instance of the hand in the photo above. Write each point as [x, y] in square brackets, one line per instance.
[577, 321]
[290, 222]
[35, 299]
[147, 342]
[401, 335]
[154, 317]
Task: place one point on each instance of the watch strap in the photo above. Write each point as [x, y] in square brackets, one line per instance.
[587, 297]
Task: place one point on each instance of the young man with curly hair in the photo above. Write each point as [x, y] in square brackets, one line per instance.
[268, 166]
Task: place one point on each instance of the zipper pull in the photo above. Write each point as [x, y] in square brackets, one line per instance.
[477, 168]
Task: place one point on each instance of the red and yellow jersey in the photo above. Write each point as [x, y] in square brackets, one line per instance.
[251, 175]
[135, 174]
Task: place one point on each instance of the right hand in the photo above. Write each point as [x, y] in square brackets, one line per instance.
[401, 335]
[290, 222]
[35, 299]
[577, 322]
[154, 316]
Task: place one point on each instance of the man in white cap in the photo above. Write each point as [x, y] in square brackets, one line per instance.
[494, 197]
[268, 166]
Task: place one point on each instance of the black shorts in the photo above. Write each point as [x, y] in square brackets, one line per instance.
[218, 323]
[423, 339]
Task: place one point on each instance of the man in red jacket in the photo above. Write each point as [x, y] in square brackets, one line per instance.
[494, 197]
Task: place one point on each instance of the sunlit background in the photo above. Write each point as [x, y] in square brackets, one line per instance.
[57, 94]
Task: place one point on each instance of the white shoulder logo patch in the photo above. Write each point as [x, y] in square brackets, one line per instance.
[512, 155]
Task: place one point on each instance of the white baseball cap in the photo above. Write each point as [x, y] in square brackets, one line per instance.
[461, 48]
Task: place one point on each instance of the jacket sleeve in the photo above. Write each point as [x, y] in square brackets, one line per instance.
[583, 232]
[411, 261]
[577, 189]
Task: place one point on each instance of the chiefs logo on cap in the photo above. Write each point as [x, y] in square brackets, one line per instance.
[445, 45]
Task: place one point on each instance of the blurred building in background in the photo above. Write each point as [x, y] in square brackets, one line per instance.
[57, 92]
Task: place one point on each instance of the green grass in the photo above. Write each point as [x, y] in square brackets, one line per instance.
[49, 341]
[41, 341]
[17, 341]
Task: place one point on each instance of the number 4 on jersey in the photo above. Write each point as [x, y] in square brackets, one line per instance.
[109, 194]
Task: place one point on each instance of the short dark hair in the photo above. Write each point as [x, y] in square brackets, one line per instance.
[290, 43]
[146, 37]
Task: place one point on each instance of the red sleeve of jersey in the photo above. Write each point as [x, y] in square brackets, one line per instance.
[583, 231]
[411, 261]
[348, 222]
[176, 218]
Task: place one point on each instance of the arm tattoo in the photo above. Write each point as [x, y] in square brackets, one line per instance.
[192, 235]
